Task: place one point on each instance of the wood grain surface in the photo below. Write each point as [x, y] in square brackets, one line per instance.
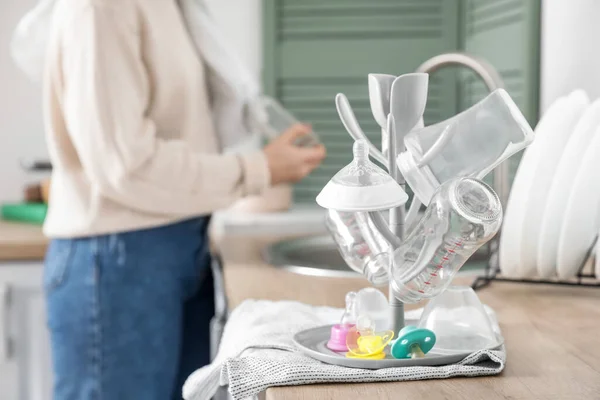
[21, 242]
[552, 335]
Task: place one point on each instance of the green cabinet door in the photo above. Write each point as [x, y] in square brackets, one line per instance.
[315, 49]
[506, 33]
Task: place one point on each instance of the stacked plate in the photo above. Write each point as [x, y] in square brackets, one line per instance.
[553, 213]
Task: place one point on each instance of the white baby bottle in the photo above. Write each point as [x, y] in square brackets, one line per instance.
[470, 144]
[463, 215]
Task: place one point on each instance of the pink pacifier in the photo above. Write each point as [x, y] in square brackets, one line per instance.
[339, 332]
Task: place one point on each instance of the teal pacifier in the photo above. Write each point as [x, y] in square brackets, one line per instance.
[412, 342]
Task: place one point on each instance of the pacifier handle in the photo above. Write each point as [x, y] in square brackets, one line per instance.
[416, 352]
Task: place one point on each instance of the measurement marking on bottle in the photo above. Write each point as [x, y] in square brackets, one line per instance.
[439, 266]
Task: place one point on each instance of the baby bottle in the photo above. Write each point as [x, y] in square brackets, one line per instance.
[463, 215]
[470, 144]
[357, 189]
[361, 245]
[272, 119]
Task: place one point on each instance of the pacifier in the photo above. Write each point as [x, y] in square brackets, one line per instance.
[412, 342]
[339, 332]
[363, 342]
[366, 313]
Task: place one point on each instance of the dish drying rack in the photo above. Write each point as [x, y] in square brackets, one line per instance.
[492, 272]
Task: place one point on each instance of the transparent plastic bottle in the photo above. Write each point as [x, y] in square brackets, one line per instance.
[361, 245]
[463, 215]
[470, 144]
[272, 119]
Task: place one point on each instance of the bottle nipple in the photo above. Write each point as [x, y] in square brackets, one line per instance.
[360, 150]
[349, 316]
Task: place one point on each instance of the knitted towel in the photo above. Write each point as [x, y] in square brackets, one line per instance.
[257, 352]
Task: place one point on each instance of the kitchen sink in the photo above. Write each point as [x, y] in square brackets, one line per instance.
[319, 256]
[316, 256]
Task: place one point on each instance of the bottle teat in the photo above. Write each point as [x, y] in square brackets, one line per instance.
[361, 186]
[349, 316]
[360, 149]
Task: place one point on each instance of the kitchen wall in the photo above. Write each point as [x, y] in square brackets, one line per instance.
[569, 60]
[241, 21]
[21, 133]
[21, 130]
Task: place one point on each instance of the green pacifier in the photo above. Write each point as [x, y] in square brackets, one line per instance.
[412, 342]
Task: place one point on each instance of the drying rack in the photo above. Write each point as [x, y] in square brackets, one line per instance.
[492, 272]
[492, 80]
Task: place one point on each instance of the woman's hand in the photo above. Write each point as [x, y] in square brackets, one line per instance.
[289, 163]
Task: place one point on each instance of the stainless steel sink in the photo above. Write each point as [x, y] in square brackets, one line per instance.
[318, 256]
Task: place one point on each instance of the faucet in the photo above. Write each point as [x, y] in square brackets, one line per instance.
[492, 80]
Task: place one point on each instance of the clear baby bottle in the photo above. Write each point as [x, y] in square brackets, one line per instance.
[272, 119]
[470, 144]
[361, 245]
[463, 215]
[357, 189]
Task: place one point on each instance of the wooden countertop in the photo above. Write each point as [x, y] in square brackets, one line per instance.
[21, 242]
[551, 335]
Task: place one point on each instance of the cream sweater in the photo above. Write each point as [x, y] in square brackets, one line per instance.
[129, 125]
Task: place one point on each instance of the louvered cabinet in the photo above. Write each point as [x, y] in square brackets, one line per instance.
[314, 49]
[506, 33]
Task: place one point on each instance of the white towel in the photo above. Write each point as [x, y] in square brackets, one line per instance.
[257, 352]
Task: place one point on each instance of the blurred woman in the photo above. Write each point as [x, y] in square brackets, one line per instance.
[137, 170]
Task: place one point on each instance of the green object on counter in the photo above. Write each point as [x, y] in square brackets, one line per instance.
[34, 213]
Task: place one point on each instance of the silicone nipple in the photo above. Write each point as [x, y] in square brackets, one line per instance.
[361, 186]
[339, 332]
[349, 316]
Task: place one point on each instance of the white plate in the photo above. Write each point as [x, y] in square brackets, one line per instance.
[551, 139]
[597, 266]
[512, 228]
[562, 185]
[581, 225]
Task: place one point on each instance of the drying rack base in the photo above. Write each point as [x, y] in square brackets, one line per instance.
[312, 342]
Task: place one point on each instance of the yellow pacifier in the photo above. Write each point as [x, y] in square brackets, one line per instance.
[362, 342]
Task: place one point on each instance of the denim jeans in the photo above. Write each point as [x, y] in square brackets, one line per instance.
[129, 313]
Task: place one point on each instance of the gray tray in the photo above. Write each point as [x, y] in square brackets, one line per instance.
[312, 342]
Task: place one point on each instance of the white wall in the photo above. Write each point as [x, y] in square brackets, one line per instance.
[570, 53]
[241, 21]
[21, 128]
[21, 134]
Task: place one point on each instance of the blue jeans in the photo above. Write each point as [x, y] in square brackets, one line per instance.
[129, 313]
